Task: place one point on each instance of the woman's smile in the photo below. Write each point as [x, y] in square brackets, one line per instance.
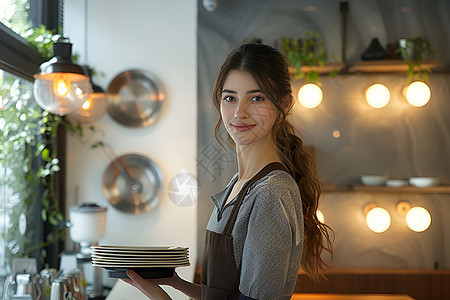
[242, 127]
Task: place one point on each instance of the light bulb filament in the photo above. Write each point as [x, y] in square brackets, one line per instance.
[87, 104]
[61, 85]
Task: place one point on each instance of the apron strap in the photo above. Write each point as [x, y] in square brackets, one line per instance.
[263, 172]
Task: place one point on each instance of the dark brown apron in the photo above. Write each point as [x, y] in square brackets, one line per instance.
[220, 278]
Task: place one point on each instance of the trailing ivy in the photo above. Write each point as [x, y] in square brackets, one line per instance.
[28, 156]
[414, 51]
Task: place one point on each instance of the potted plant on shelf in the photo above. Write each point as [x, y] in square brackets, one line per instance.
[306, 52]
[414, 51]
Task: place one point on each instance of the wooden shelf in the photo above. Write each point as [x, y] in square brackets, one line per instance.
[439, 189]
[327, 68]
[388, 66]
[369, 66]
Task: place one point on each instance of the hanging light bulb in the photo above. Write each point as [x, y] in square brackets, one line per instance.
[61, 86]
[417, 93]
[378, 95]
[377, 218]
[94, 107]
[310, 95]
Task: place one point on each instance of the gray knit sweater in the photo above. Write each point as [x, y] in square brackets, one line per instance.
[267, 235]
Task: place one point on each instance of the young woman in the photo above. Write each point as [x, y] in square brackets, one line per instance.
[264, 224]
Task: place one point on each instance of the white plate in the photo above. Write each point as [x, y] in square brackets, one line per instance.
[137, 257]
[138, 253]
[134, 248]
[141, 260]
[95, 258]
[111, 251]
[162, 262]
[134, 265]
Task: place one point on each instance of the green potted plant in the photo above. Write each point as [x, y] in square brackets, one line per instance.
[306, 52]
[414, 51]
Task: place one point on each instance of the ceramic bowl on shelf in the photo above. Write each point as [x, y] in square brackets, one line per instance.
[423, 181]
[396, 182]
[373, 180]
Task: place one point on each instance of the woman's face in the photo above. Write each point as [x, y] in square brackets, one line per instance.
[246, 112]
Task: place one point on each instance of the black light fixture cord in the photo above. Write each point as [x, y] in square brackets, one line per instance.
[61, 18]
[86, 31]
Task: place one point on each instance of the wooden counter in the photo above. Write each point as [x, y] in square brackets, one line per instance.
[420, 284]
[350, 297]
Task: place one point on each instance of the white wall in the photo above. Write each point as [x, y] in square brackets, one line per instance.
[160, 37]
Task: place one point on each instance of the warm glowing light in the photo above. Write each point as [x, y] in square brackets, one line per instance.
[378, 219]
[91, 110]
[79, 92]
[2, 105]
[310, 95]
[418, 93]
[320, 216]
[418, 219]
[336, 134]
[378, 95]
[61, 85]
[86, 105]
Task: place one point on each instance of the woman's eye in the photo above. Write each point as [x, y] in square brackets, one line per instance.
[228, 99]
[257, 99]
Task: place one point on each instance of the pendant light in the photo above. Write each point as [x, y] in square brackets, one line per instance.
[61, 86]
[94, 107]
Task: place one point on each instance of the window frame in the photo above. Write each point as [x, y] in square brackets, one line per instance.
[19, 58]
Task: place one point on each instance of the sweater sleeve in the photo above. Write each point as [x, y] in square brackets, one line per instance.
[267, 247]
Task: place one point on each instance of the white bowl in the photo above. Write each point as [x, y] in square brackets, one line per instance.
[396, 182]
[423, 181]
[373, 180]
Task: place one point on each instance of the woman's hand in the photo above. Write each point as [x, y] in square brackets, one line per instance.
[149, 287]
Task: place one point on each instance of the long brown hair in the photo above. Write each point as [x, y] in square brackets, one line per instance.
[270, 70]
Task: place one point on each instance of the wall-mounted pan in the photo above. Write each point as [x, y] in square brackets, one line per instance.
[133, 183]
[135, 98]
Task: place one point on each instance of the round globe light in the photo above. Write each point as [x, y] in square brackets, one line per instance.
[91, 110]
[310, 95]
[418, 93]
[378, 219]
[418, 219]
[378, 95]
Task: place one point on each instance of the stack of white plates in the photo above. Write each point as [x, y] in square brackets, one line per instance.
[149, 262]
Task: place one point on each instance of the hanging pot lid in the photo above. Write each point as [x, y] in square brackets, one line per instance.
[133, 183]
[135, 98]
[87, 208]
